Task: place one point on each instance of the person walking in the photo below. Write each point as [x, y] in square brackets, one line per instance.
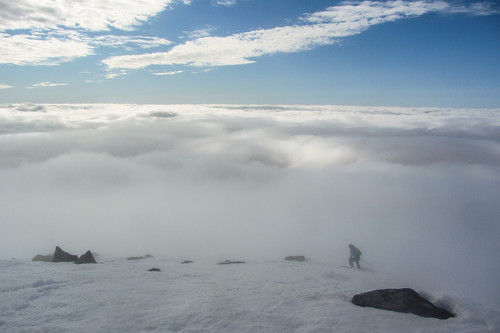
[355, 256]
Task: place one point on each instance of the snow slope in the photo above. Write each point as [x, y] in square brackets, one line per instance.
[117, 295]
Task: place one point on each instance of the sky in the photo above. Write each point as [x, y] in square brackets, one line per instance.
[396, 53]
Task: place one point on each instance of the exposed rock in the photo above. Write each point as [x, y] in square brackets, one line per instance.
[40, 257]
[61, 256]
[138, 258]
[86, 258]
[154, 270]
[404, 300]
[295, 258]
[187, 262]
[228, 262]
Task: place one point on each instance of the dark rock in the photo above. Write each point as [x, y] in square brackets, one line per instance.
[154, 270]
[187, 262]
[40, 257]
[61, 256]
[86, 258]
[229, 262]
[404, 300]
[138, 258]
[295, 258]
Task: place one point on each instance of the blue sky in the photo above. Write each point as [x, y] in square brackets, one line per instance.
[405, 53]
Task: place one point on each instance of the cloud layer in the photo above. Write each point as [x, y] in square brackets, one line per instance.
[415, 189]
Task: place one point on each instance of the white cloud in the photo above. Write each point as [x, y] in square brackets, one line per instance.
[84, 14]
[5, 86]
[58, 46]
[358, 16]
[112, 75]
[168, 73]
[41, 50]
[478, 8]
[57, 28]
[143, 42]
[47, 84]
[198, 33]
[226, 3]
[317, 29]
[231, 50]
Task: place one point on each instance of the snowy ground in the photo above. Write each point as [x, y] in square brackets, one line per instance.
[117, 295]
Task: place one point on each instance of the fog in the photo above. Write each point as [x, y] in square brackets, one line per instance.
[416, 190]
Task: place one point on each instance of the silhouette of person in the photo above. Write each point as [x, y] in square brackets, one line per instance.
[355, 256]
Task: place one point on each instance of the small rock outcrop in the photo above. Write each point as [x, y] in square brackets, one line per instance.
[295, 258]
[138, 258]
[404, 300]
[40, 257]
[187, 262]
[229, 262]
[154, 269]
[61, 256]
[86, 258]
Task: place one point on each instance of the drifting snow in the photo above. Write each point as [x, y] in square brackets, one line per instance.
[268, 296]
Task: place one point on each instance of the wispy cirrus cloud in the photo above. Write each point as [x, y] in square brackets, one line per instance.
[168, 73]
[198, 33]
[59, 46]
[5, 86]
[231, 50]
[143, 42]
[313, 30]
[46, 84]
[226, 3]
[112, 75]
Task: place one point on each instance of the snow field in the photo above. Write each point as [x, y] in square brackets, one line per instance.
[117, 295]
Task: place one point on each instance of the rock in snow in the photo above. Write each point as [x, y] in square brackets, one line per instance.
[138, 258]
[295, 258]
[401, 300]
[229, 262]
[86, 258]
[61, 256]
[40, 257]
[154, 269]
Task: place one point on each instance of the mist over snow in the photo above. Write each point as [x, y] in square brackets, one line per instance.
[416, 190]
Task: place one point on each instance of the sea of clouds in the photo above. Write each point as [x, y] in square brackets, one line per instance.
[416, 189]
